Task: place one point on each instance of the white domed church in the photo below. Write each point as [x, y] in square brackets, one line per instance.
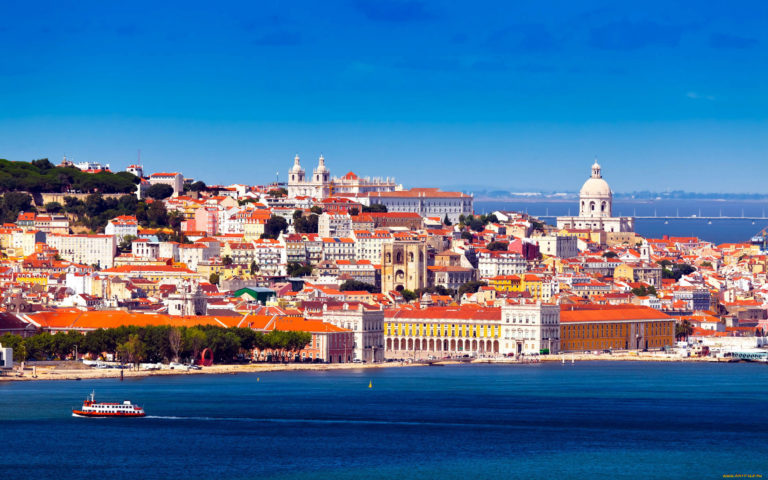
[595, 208]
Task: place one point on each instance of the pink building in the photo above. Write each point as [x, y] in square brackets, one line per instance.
[206, 219]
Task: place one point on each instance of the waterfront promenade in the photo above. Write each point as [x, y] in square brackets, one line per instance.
[72, 371]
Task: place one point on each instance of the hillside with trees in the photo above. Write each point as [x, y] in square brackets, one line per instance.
[41, 176]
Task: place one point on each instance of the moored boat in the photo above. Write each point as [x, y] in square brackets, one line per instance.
[92, 408]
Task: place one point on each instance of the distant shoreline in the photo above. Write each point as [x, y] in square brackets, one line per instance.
[53, 373]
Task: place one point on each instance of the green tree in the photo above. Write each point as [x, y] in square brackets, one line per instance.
[194, 340]
[274, 226]
[157, 214]
[53, 207]
[125, 244]
[498, 246]
[214, 278]
[356, 286]
[375, 208]
[198, 186]
[132, 351]
[447, 221]
[408, 295]
[20, 352]
[160, 191]
[13, 203]
[316, 210]
[477, 225]
[227, 260]
[683, 329]
[295, 269]
[471, 287]
[643, 291]
[609, 254]
[306, 224]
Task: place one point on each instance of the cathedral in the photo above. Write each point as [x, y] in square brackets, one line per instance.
[319, 186]
[595, 208]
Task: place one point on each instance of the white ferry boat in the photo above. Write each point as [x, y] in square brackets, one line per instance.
[91, 408]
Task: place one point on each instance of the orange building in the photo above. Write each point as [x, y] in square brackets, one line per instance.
[621, 327]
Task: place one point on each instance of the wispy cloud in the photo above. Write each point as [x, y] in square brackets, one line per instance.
[724, 40]
[698, 96]
[394, 11]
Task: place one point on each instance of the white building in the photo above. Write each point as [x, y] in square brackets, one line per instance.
[334, 225]
[6, 357]
[530, 328]
[90, 166]
[175, 180]
[143, 248]
[270, 256]
[595, 208]
[97, 250]
[351, 184]
[427, 202]
[168, 250]
[321, 185]
[368, 325]
[560, 246]
[79, 283]
[25, 241]
[137, 170]
[188, 300]
[122, 226]
[495, 263]
[369, 244]
[338, 248]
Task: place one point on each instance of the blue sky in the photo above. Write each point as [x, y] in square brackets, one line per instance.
[513, 95]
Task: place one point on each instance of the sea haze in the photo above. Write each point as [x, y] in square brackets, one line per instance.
[717, 230]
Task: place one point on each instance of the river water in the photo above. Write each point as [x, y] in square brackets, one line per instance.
[586, 420]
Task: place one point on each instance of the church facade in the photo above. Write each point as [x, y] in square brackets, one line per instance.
[596, 208]
[321, 185]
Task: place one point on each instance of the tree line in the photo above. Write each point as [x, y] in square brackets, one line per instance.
[160, 343]
[42, 176]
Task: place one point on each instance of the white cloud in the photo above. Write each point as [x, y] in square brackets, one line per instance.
[698, 96]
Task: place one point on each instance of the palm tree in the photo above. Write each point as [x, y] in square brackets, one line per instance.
[683, 329]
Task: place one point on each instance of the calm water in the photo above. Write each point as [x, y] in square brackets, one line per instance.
[615, 420]
[718, 231]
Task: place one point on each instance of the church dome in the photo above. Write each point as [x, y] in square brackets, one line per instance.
[321, 165]
[595, 187]
[296, 168]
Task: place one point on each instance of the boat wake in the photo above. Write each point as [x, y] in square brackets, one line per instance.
[324, 421]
